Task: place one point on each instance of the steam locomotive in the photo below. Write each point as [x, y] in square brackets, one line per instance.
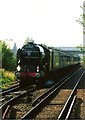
[35, 61]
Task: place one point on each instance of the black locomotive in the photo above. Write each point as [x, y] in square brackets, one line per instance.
[35, 61]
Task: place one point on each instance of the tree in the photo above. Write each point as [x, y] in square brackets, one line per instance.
[8, 59]
[81, 20]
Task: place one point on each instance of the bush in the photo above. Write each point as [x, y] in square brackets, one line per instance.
[6, 77]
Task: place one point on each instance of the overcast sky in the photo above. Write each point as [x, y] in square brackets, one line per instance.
[52, 22]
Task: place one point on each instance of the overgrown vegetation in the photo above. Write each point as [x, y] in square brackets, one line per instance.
[6, 78]
[7, 65]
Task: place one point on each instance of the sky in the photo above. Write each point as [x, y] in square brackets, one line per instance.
[51, 22]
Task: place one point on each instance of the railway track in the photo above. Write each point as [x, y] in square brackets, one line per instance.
[31, 103]
[7, 94]
[66, 111]
[10, 97]
[52, 105]
[11, 89]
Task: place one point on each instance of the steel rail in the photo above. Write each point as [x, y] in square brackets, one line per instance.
[71, 106]
[6, 111]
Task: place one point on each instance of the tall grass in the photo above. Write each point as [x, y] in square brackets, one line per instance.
[6, 77]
